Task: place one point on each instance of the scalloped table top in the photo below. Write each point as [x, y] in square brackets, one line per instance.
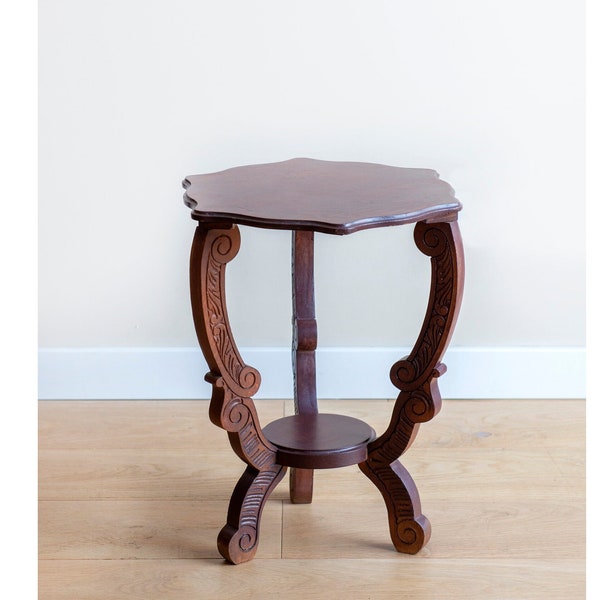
[319, 195]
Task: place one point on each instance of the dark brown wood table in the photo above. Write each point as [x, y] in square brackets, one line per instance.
[307, 196]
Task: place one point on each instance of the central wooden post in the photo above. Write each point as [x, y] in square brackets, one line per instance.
[303, 349]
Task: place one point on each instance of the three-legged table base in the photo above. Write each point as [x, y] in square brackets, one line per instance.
[309, 440]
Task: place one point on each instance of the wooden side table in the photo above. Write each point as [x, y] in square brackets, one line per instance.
[304, 196]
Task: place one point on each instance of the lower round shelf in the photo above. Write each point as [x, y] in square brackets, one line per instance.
[321, 441]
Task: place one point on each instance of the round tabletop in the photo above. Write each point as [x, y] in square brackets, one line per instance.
[318, 195]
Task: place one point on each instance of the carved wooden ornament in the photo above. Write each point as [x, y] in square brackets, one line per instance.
[305, 195]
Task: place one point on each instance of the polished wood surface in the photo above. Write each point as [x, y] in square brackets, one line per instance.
[319, 441]
[132, 495]
[303, 348]
[234, 383]
[416, 377]
[308, 195]
[318, 195]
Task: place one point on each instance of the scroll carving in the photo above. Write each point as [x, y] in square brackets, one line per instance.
[238, 540]
[223, 247]
[233, 383]
[416, 377]
[440, 241]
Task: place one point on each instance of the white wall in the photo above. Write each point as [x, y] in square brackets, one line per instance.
[134, 95]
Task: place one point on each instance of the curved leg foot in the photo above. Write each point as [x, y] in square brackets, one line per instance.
[234, 383]
[416, 377]
[409, 529]
[238, 540]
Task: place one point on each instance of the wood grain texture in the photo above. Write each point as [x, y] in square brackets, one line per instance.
[307, 195]
[314, 579]
[416, 377]
[137, 473]
[114, 424]
[234, 383]
[464, 529]
[535, 475]
[508, 508]
[509, 424]
[319, 441]
[317, 195]
[443, 473]
[142, 529]
[304, 344]
[304, 323]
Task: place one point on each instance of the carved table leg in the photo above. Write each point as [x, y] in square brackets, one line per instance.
[303, 350]
[234, 383]
[416, 377]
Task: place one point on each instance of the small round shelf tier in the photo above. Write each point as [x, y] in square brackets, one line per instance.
[319, 441]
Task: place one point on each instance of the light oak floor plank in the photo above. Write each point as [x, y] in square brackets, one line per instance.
[113, 424]
[192, 474]
[515, 424]
[460, 529]
[314, 579]
[141, 529]
[132, 495]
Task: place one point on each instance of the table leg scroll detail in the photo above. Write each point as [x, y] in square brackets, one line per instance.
[416, 377]
[442, 242]
[237, 541]
[234, 383]
[409, 528]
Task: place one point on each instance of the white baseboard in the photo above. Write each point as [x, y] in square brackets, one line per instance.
[178, 373]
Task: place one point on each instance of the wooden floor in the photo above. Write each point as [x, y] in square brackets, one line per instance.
[130, 504]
